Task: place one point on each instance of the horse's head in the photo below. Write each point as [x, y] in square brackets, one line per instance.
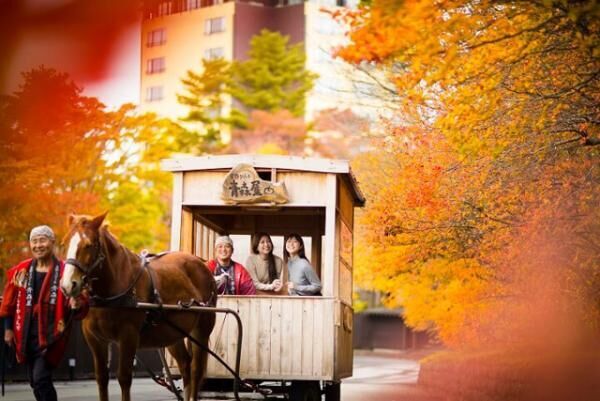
[84, 252]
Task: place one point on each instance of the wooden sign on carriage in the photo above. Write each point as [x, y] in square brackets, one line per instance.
[244, 185]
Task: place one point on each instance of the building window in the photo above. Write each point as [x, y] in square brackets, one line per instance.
[155, 65]
[193, 4]
[156, 37]
[154, 93]
[214, 25]
[165, 8]
[208, 3]
[214, 53]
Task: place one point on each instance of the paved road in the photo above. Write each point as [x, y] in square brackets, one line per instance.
[384, 377]
[376, 377]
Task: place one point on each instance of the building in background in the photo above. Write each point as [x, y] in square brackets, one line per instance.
[177, 34]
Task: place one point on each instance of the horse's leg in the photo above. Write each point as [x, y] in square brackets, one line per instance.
[199, 358]
[182, 357]
[99, 350]
[128, 344]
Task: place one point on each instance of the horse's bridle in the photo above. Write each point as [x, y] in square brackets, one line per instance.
[88, 269]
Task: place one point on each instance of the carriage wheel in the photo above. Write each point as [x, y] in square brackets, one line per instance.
[333, 391]
[305, 391]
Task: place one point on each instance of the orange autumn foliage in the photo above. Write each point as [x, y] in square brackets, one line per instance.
[487, 178]
[49, 138]
[62, 152]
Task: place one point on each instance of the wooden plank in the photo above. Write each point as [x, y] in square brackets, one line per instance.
[246, 318]
[225, 336]
[345, 283]
[187, 228]
[203, 188]
[253, 334]
[276, 324]
[252, 210]
[264, 336]
[346, 205]
[307, 336]
[176, 211]
[305, 189]
[227, 162]
[329, 343]
[287, 331]
[318, 251]
[318, 340]
[218, 341]
[329, 266]
[232, 332]
[343, 343]
[297, 334]
[336, 255]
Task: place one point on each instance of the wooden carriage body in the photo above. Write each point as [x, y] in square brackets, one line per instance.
[285, 337]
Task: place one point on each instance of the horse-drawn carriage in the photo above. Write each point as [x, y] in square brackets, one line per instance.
[301, 344]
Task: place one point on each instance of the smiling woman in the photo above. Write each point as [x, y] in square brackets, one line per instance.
[265, 268]
[303, 279]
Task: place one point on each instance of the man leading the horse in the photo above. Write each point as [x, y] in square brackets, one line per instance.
[37, 314]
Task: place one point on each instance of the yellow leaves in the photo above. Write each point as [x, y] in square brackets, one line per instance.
[445, 293]
[490, 99]
[271, 149]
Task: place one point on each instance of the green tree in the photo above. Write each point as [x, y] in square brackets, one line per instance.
[272, 79]
[274, 76]
[205, 95]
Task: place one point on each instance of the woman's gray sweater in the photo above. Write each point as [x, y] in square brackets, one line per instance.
[305, 280]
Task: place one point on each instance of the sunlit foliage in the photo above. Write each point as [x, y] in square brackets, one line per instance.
[487, 190]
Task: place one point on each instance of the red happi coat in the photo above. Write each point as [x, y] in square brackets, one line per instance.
[242, 281]
[53, 335]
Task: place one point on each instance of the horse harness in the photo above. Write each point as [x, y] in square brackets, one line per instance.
[128, 297]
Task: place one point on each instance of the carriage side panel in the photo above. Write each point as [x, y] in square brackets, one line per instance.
[343, 340]
[285, 338]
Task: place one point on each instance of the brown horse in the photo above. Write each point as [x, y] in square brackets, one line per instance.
[115, 276]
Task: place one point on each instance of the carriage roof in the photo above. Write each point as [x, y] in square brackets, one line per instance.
[289, 163]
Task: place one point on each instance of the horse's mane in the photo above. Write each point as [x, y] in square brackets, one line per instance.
[76, 221]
